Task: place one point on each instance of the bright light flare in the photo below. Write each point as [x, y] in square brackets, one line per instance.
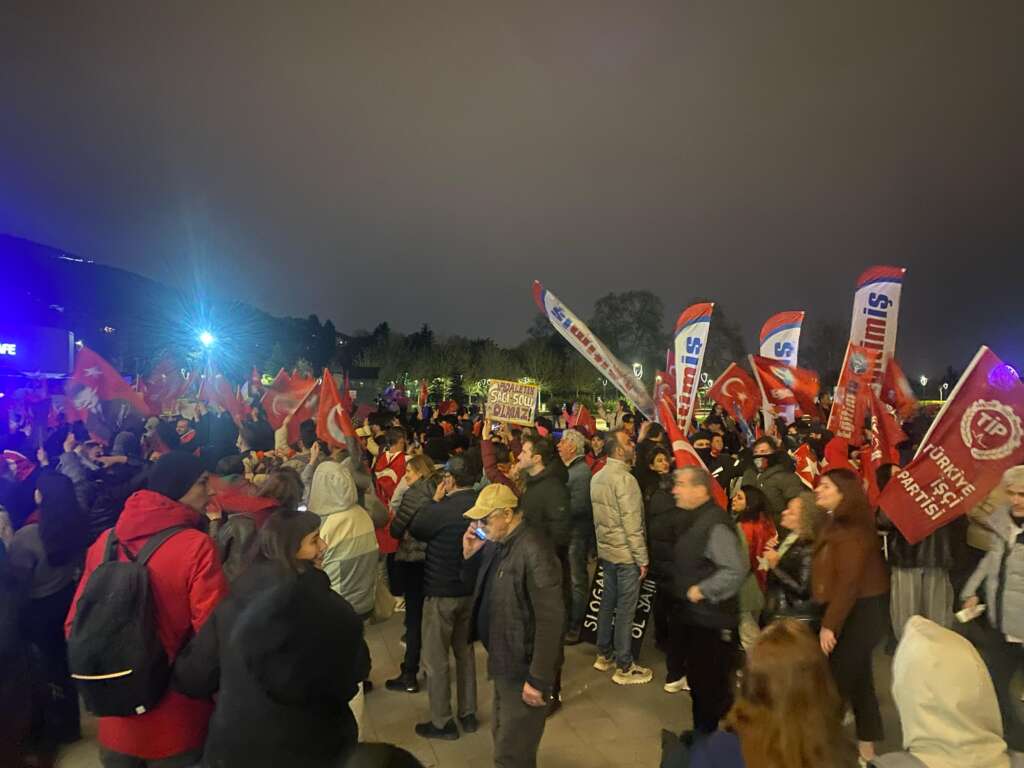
[207, 339]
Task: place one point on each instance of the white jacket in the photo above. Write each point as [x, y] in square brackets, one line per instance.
[618, 515]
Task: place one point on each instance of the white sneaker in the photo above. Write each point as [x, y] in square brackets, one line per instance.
[635, 675]
[679, 685]
[604, 663]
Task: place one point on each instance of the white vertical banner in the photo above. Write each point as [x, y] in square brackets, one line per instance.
[690, 342]
[593, 349]
[876, 306]
[780, 340]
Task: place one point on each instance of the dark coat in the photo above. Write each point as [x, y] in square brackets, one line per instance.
[441, 524]
[292, 663]
[416, 497]
[580, 509]
[521, 580]
[665, 524]
[545, 504]
[788, 592]
[779, 484]
[113, 486]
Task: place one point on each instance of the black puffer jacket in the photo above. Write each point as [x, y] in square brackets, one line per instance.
[291, 664]
[415, 498]
[665, 523]
[545, 504]
[441, 524]
[788, 591]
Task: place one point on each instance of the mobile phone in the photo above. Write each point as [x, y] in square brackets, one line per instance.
[480, 533]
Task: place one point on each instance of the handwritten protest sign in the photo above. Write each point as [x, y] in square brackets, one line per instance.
[511, 401]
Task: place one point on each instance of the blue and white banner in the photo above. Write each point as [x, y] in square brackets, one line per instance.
[780, 337]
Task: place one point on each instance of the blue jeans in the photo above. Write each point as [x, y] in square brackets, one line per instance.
[581, 540]
[618, 600]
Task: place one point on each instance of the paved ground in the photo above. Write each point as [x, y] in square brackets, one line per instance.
[601, 724]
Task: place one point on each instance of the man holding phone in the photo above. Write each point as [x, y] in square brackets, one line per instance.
[518, 615]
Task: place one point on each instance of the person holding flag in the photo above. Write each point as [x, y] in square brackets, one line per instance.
[772, 475]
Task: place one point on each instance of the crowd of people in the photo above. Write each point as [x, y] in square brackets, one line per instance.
[202, 585]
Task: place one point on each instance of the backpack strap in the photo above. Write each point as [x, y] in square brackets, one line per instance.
[153, 544]
[110, 551]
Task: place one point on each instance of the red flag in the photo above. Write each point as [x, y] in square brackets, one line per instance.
[665, 386]
[18, 465]
[786, 384]
[218, 392]
[837, 455]
[896, 391]
[584, 421]
[853, 394]
[283, 397]
[736, 391]
[977, 436]
[332, 420]
[346, 395]
[683, 452]
[447, 408]
[95, 382]
[421, 399]
[164, 386]
[806, 467]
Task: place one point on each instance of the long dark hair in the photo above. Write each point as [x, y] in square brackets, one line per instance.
[854, 509]
[757, 504]
[62, 526]
[281, 535]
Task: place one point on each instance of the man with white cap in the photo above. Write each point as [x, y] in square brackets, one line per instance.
[518, 614]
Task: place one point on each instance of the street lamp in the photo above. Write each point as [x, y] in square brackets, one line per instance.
[943, 389]
[638, 370]
[923, 380]
[207, 339]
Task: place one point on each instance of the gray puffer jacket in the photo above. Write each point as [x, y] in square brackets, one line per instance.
[415, 498]
[1002, 571]
[618, 515]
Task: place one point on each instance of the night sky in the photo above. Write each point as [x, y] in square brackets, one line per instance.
[424, 162]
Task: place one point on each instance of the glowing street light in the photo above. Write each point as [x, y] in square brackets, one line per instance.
[923, 380]
[944, 388]
[207, 339]
[638, 370]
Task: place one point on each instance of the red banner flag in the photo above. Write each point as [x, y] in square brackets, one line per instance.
[896, 390]
[736, 391]
[93, 386]
[583, 421]
[164, 386]
[975, 438]
[332, 420]
[346, 395]
[806, 467]
[785, 385]
[683, 452]
[218, 391]
[853, 394]
[283, 397]
[421, 398]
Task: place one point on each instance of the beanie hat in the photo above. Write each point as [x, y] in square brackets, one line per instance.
[174, 473]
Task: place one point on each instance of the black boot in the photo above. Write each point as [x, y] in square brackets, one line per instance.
[404, 682]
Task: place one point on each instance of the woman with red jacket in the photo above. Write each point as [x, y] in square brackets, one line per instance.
[849, 577]
[187, 583]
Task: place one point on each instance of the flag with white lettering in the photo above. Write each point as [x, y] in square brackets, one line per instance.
[853, 394]
[780, 337]
[689, 345]
[575, 331]
[876, 306]
[976, 437]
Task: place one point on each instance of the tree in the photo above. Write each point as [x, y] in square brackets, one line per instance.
[277, 360]
[631, 325]
[540, 363]
[822, 348]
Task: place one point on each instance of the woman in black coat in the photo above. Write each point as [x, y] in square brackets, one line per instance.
[788, 590]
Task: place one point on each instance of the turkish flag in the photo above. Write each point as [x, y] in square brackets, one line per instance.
[896, 390]
[785, 385]
[683, 452]
[665, 386]
[806, 467]
[164, 386]
[283, 396]
[584, 421]
[837, 455]
[853, 394]
[218, 391]
[736, 391]
[976, 437]
[97, 395]
[332, 420]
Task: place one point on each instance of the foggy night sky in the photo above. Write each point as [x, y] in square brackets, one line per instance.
[424, 162]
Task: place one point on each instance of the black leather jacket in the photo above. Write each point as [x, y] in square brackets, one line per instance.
[788, 591]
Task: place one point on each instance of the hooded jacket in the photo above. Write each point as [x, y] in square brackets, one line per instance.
[292, 664]
[350, 560]
[187, 583]
[618, 515]
[1002, 572]
[947, 704]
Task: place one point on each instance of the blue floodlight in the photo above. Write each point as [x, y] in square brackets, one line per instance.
[207, 339]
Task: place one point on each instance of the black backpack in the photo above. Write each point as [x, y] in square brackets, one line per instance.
[114, 651]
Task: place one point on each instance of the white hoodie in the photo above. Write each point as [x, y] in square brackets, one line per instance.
[946, 701]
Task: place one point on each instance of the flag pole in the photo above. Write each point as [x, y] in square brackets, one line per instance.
[766, 415]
